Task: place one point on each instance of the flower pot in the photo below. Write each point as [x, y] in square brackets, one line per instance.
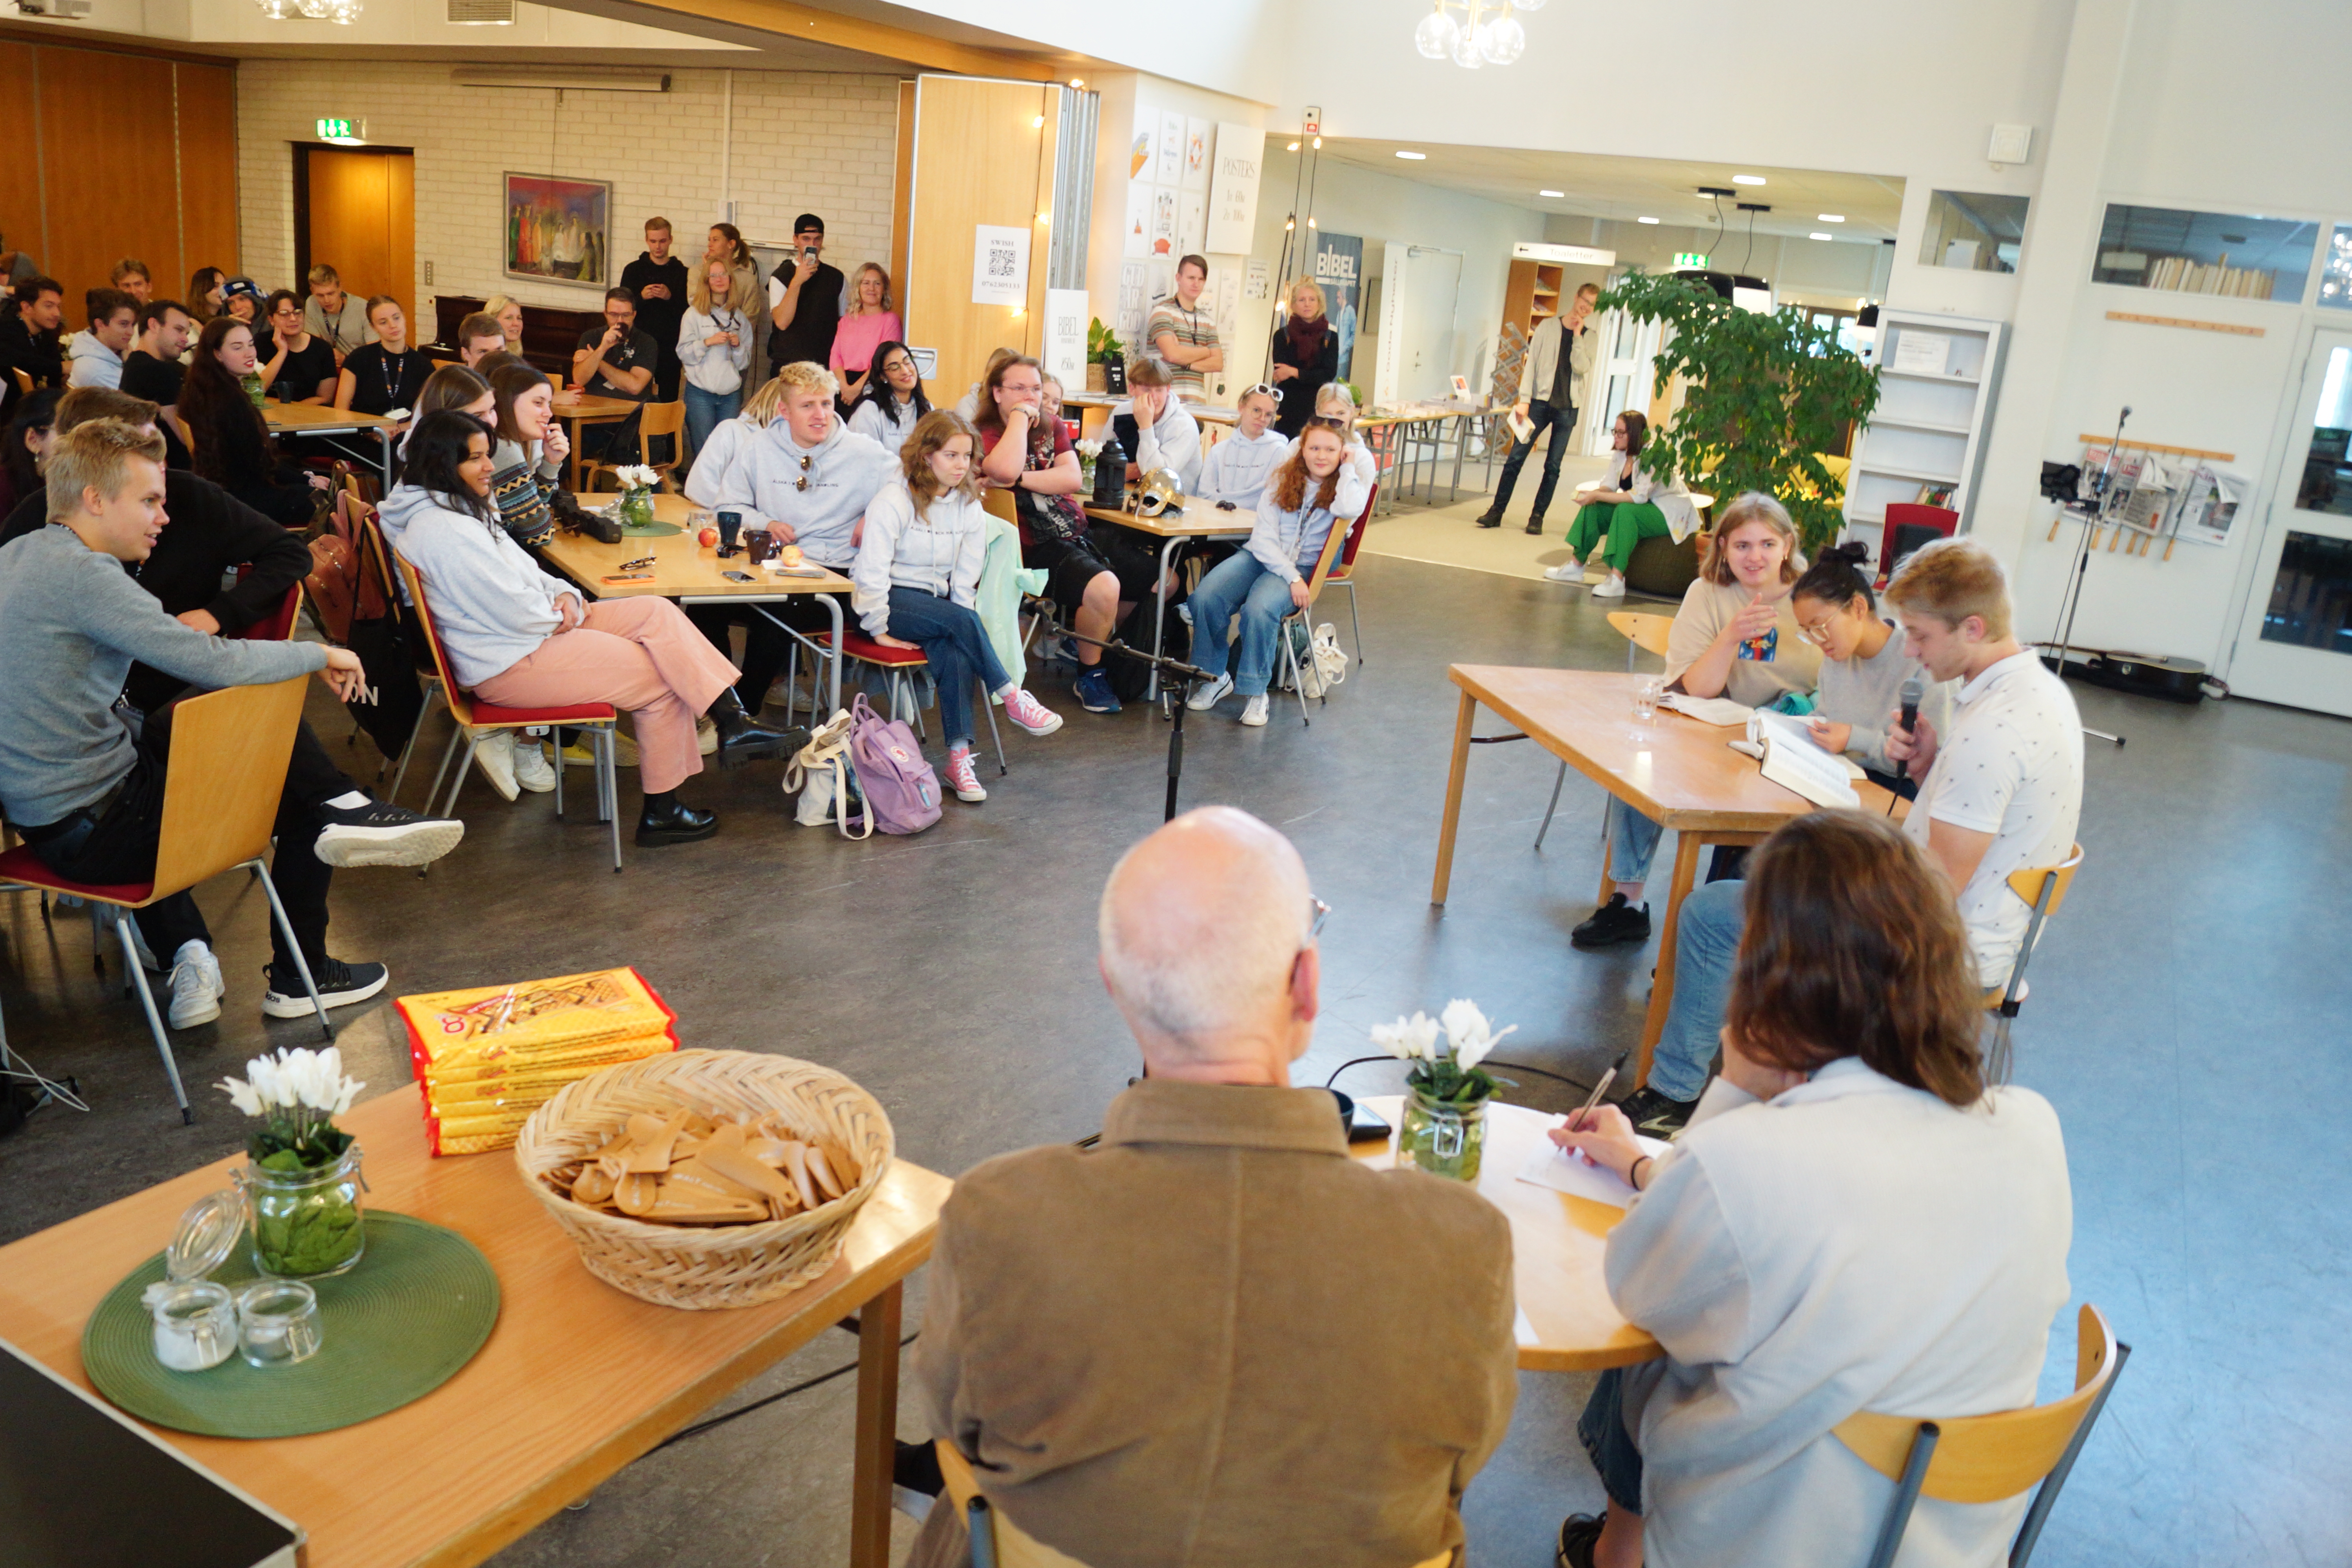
[1094, 375]
[1442, 1137]
[305, 1223]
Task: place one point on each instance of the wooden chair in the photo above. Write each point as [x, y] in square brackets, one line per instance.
[597, 720]
[227, 769]
[899, 666]
[2043, 888]
[998, 503]
[1648, 633]
[24, 383]
[653, 420]
[1986, 1458]
[1334, 543]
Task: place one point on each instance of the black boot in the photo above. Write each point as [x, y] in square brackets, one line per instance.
[1490, 519]
[665, 821]
[740, 738]
[1535, 525]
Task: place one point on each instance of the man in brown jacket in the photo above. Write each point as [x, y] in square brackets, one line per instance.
[1215, 1339]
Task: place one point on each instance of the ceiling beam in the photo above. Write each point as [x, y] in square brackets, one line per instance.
[806, 23]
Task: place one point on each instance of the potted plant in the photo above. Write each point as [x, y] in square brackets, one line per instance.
[1103, 350]
[302, 1185]
[1764, 395]
[1446, 1091]
[637, 482]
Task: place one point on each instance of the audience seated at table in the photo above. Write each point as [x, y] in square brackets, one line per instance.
[516, 637]
[714, 349]
[531, 446]
[968, 406]
[891, 403]
[29, 333]
[452, 386]
[333, 316]
[1631, 505]
[1854, 1220]
[98, 353]
[154, 370]
[2002, 793]
[1095, 574]
[1156, 428]
[1308, 495]
[1215, 1338]
[1864, 666]
[871, 321]
[226, 436]
[31, 427]
[86, 794]
[1306, 357]
[385, 374]
[205, 294]
[1336, 402]
[133, 278]
[917, 576]
[1237, 468]
[301, 367]
[241, 297]
[726, 441]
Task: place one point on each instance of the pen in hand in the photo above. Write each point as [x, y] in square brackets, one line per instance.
[1575, 1122]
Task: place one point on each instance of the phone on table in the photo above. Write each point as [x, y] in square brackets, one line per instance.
[631, 577]
[734, 576]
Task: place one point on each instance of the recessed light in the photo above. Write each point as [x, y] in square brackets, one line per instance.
[1829, 218]
[1817, 234]
[1551, 193]
[1645, 220]
[1747, 179]
[1416, 157]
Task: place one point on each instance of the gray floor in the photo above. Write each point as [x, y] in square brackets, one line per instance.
[2187, 1021]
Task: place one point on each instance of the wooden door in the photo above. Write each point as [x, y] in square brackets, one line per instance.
[359, 217]
[106, 126]
[984, 155]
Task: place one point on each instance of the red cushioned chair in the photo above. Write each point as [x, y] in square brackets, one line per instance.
[1343, 574]
[279, 625]
[595, 719]
[1335, 545]
[1902, 514]
[901, 664]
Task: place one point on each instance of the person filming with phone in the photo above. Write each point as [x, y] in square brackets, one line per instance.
[804, 299]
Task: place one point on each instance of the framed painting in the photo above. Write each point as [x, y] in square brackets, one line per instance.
[559, 230]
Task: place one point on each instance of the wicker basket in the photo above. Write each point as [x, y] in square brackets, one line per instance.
[703, 1267]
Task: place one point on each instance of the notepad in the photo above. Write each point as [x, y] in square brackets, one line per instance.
[1563, 1172]
[1708, 709]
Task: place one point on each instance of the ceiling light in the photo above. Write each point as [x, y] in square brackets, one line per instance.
[1645, 220]
[1294, 147]
[1747, 179]
[1076, 82]
[1817, 234]
[1829, 218]
[1416, 157]
[1474, 33]
[1551, 193]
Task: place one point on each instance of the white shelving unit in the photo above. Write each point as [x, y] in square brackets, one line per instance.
[1930, 424]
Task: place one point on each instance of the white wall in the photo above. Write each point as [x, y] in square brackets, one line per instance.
[1819, 269]
[802, 141]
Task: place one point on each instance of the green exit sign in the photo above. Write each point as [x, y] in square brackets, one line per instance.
[1682, 257]
[342, 129]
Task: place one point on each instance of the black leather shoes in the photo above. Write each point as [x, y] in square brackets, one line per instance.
[1490, 520]
[673, 822]
[1535, 525]
[742, 739]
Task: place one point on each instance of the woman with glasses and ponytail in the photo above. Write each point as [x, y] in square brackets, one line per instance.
[1629, 507]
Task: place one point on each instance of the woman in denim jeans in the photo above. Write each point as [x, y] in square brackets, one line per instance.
[714, 344]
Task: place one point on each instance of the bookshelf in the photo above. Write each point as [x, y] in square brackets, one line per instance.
[1935, 405]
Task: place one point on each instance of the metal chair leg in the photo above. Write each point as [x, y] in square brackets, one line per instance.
[2022, 1551]
[433, 687]
[988, 706]
[1354, 624]
[1907, 1495]
[1552, 806]
[301, 964]
[556, 735]
[608, 782]
[465, 763]
[155, 1019]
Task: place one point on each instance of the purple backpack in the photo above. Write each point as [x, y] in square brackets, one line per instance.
[902, 793]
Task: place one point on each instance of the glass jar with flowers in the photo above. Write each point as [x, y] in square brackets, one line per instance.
[1088, 450]
[1446, 1091]
[637, 482]
[302, 1185]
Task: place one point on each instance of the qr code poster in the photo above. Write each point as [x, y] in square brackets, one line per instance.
[1000, 266]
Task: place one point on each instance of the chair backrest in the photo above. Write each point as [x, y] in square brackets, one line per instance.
[25, 382]
[279, 625]
[1984, 1458]
[227, 768]
[998, 503]
[461, 707]
[1347, 566]
[1648, 633]
[2028, 884]
[1902, 514]
[1334, 542]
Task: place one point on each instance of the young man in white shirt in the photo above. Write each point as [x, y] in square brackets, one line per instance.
[2003, 793]
[334, 315]
[1157, 429]
[98, 353]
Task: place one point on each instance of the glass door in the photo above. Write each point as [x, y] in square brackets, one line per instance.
[2296, 644]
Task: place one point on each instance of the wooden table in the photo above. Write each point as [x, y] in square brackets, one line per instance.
[322, 420]
[576, 1381]
[1382, 432]
[1199, 519]
[1681, 774]
[692, 574]
[1557, 1242]
[577, 408]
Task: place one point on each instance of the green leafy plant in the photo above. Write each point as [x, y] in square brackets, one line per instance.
[1103, 346]
[1765, 395]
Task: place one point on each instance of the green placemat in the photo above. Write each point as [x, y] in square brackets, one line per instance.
[420, 1303]
[650, 530]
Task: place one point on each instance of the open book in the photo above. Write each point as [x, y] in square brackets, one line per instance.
[1796, 763]
[1708, 709]
[1791, 729]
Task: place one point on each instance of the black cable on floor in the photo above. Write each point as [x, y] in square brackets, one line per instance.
[699, 1427]
[1577, 1084]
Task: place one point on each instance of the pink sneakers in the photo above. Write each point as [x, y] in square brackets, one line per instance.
[1029, 713]
[963, 779]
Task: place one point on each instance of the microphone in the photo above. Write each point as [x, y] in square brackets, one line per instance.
[1910, 699]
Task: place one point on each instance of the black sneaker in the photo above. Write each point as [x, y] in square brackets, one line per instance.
[1615, 922]
[1654, 1115]
[377, 834]
[1579, 1534]
[1490, 520]
[340, 985]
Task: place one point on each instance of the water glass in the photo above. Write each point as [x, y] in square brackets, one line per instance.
[1646, 693]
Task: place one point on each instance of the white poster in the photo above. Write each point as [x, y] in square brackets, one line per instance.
[1922, 353]
[1164, 222]
[1065, 335]
[1197, 133]
[1233, 197]
[1134, 304]
[1191, 209]
[1000, 265]
[1225, 289]
[1260, 285]
[1138, 220]
[1147, 132]
[1168, 152]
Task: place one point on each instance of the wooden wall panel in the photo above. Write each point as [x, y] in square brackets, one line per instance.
[207, 173]
[361, 216]
[980, 157]
[902, 191]
[21, 228]
[105, 123]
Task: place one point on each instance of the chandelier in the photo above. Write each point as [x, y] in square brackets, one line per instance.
[1487, 32]
[344, 12]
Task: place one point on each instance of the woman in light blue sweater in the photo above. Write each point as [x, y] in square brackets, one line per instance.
[1864, 666]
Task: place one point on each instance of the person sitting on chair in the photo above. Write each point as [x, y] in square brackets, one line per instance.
[1237, 468]
[1335, 402]
[519, 639]
[228, 438]
[728, 439]
[1864, 666]
[1629, 507]
[917, 577]
[1855, 1220]
[1213, 1250]
[1155, 428]
[1308, 496]
[529, 458]
[85, 788]
[891, 403]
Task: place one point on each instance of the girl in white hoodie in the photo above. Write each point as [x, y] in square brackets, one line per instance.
[714, 344]
[917, 577]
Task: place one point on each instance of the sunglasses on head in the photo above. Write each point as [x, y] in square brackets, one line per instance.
[1266, 387]
[1327, 422]
[808, 462]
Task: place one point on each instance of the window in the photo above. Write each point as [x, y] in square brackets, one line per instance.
[2238, 256]
[1973, 231]
[2335, 270]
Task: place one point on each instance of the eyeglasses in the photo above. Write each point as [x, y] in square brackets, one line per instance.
[1266, 387]
[1317, 912]
[1815, 632]
[640, 560]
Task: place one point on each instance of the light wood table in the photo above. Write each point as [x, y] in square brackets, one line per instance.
[325, 419]
[1556, 1242]
[576, 1380]
[692, 574]
[1200, 519]
[1680, 773]
[578, 408]
[1398, 438]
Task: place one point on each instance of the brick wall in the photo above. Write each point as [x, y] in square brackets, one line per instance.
[803, 141]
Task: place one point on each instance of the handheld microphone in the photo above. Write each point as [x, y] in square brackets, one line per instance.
[1910, 698]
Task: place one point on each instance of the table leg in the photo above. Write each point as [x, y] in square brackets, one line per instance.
[877, 1428]
[1461, 445]
[833, 606]
[571, 459]
[1159, 618]
[1467, 714]
[383, 434]
[1662, 988]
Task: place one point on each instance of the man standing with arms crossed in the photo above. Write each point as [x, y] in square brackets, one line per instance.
[1183, 335]
[1560, 357]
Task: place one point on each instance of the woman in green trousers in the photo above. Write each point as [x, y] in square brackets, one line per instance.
[1628, 508]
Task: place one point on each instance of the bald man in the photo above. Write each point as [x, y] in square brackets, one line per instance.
[1215, 1338]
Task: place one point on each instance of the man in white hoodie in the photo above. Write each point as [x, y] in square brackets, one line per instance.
[98, 353]
[1156, 428]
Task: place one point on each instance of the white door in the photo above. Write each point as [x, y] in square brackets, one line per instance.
[2294, 645]
[1432, 284]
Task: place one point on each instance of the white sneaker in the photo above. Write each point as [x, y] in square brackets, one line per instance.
[1209, 696]
[963, 778]
[196, 987]
[1184, 611]
[1029, 713]
[1253, 712]
[1612, 589]
[532, 770]
[495, 757]
[1569, 571]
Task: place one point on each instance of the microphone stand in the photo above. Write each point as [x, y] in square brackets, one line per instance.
[1176, 679]
[2072, 600]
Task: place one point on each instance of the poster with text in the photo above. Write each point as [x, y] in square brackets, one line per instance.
[1065, 335]
[1233, 194]
[1339, 269]
[1163, 221]
[1168, 151]
[1138, 220]
[1000, 265]
[1146, 132]
[1191, 209]
[1197, 133]
[1134, 305]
